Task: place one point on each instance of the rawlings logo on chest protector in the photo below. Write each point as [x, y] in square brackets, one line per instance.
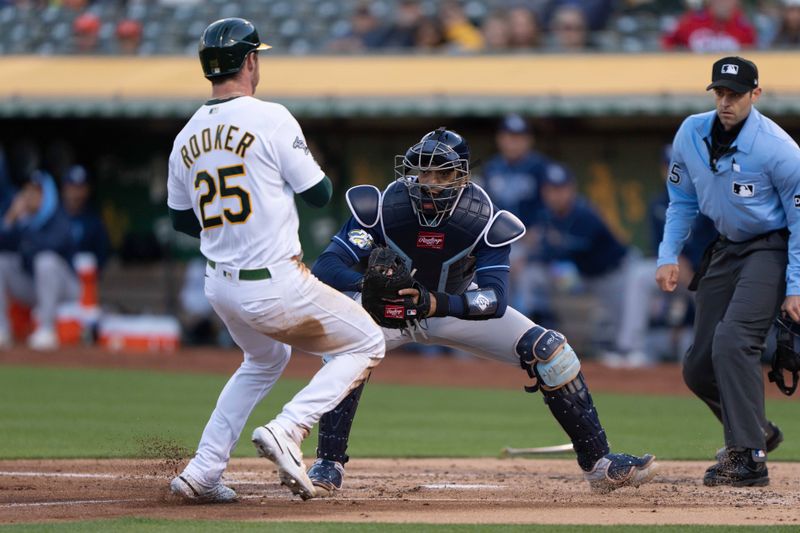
[431, 240]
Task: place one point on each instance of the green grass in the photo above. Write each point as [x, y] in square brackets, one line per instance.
[52, 413]
[125, 525]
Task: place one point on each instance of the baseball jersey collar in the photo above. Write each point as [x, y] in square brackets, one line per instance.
[744, 141]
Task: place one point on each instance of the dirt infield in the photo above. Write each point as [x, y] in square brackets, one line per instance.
[391, 490]
[517, 491]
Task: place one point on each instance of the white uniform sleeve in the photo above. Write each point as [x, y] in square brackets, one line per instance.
[177, 192]
[296, 163]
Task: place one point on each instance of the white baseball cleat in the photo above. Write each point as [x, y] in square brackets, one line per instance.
[274, 444]
[190, 490]
[5, 340]
[43, 340]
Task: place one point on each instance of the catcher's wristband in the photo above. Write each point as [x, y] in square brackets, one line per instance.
[442, 304]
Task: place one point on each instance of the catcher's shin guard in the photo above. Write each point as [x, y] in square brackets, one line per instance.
[572, 407]
[334, 428]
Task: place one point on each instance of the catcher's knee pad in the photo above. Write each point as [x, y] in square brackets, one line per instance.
[556, 363]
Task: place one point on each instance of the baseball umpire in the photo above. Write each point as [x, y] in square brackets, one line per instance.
[742, 170]
[432, 221]
[233, 173]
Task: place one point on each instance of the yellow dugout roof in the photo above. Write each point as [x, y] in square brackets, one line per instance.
[374, 84]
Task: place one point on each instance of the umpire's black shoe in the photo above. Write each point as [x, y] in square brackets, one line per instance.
[741, 468]
[774, 438]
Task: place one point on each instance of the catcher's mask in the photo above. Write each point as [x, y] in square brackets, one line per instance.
[439, 150]
[787, 354]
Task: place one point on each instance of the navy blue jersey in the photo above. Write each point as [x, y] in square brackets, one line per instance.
[582, 237]
[90, 235]
[514, 186]
[343, 261]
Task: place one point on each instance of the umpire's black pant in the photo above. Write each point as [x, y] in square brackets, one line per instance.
[737, 300]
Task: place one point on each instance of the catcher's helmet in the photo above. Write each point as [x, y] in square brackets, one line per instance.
[441, 149]
[787, 354]
[225, 44]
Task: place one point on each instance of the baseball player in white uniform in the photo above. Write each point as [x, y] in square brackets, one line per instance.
[233, 173]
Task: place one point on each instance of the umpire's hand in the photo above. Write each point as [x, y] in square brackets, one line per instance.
[667, 277]
[791, 306]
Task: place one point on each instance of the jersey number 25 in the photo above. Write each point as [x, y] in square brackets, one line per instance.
[224, 191]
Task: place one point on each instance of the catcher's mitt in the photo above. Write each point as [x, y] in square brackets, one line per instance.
[386, 274]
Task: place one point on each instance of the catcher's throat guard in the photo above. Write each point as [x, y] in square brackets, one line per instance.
[786, 356]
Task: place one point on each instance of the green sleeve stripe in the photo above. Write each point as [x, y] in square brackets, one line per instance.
[320, 194]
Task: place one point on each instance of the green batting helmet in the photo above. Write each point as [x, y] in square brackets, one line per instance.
[225, 44]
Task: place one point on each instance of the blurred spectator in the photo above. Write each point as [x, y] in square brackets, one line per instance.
[430, 35]
[88, 230]
[459, 31]
[788, 35]
[512, 176]
[512, 179]
[40, 274]
[129, 37]
[569, 229]
[568, 30]
[8, 240]
[364, 33]
[496, 32]
[596, 13]
[721, 26]
[85, 32]
[523, 27]
[402, 31]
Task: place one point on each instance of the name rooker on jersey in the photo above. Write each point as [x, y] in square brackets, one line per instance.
[221, 140]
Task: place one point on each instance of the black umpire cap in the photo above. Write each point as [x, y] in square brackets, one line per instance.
[735, 73]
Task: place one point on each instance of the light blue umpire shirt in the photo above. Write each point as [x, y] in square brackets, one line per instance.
[755, 189]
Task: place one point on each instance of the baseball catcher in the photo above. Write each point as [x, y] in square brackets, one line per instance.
[434, 219]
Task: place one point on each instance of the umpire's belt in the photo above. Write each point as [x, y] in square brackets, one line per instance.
[256, 274]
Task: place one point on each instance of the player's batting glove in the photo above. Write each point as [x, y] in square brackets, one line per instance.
[385, 276]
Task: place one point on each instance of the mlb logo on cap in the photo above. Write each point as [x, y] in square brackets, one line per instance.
[734, 73]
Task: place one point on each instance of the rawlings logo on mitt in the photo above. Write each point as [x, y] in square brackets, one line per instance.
[385, 276]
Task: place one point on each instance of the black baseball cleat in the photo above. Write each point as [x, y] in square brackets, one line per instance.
[740, 468]
[774, 439]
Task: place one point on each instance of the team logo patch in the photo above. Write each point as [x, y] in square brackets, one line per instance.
[797, 201]
[394, 311]
[360, 238]
[431, 240]
[745, 190]
[482, 302]
[730, 69]
[300, 144]
[675, 174]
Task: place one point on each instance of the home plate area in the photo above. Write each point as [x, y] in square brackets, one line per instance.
[478, 491]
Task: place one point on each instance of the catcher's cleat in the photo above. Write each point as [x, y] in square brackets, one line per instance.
[274, 444]
[741, 468]
[327, 476]
[774, 439]
[617, 470]
[187, 488]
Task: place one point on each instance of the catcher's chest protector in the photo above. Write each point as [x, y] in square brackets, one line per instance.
[441, 254]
